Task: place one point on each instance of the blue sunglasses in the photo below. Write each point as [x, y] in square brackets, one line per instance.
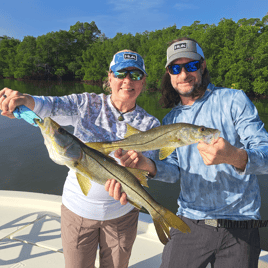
[189, 67]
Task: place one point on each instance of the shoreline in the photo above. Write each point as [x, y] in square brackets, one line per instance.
[100, 83]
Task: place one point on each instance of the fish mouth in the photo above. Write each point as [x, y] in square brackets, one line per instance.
[47, 124]
[217, 135]
[212, 137]
[39, 122]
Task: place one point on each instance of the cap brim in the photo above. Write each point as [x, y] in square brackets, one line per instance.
[126, 64]
[190, 55]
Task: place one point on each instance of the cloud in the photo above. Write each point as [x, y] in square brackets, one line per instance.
[183, 6]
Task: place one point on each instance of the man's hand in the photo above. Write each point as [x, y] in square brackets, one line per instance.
[222, 152]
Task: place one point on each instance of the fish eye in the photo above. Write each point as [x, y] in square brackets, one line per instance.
[202, 129]
[61, 130]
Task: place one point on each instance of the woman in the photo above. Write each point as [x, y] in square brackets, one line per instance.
[95, 219]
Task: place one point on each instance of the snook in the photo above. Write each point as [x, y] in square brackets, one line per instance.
[89, 164]
[166, 138]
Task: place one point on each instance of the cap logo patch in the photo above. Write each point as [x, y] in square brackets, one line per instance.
[179, 46]
[130, 57]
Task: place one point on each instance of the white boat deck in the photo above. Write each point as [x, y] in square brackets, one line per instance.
[30, 234]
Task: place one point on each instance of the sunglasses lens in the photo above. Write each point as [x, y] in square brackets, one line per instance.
[120, 75]
[192, 66]
[136, 75]
[174, 69]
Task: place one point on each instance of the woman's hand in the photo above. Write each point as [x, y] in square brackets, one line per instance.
[129, 159]
[114, 189]
[10, 99]
[136, 160]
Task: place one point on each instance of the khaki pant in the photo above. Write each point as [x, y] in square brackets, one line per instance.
[81, 237]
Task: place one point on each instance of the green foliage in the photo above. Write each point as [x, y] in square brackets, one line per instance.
[259, 63]
[25, 57]
[8, 48]
[94, 63]
[83, 35]
[236, 53]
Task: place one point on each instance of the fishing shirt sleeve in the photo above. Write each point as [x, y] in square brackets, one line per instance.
[253, 136]
[63, 110]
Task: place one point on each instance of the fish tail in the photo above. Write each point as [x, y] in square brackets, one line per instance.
[164, 220]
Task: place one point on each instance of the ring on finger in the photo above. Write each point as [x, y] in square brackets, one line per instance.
[5, 96]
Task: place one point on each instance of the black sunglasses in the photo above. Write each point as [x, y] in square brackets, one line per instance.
[189, 67]
[135, 75]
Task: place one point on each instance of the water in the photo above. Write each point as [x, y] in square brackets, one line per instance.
[26, 166]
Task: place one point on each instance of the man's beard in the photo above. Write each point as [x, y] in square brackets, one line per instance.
[196, 91]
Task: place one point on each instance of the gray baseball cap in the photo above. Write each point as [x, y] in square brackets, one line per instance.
[184, 49]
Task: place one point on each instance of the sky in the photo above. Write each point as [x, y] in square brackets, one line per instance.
[19, 18]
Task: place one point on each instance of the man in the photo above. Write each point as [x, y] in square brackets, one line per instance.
[219, 188]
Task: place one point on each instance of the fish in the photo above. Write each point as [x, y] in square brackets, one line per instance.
[91, 165]
[165, 138]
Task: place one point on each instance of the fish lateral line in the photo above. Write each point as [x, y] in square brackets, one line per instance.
[118, 179]
[112, 174]
[109, 144]
[113, 161]
[153, 139]
[128, 186]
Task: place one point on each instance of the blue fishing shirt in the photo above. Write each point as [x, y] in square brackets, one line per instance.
[218, 191]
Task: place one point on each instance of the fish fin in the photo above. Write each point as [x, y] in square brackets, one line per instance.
[174, 221]
[161, 235]
[131, 130]
[99, 146]
[140, 174]
[135, 204]
[101, 151]
[166, 219]
[165, 152]
[165, 227]
[84, 183]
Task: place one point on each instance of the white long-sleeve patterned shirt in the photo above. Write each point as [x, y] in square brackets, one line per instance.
[94, 119]
[218, 191]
